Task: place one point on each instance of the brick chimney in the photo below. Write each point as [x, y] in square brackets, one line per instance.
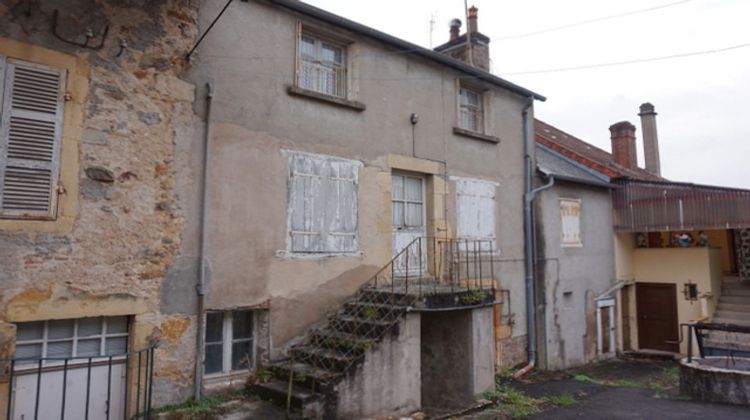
[650, 138]
[471, 47]
[623, 144]
[472, 25]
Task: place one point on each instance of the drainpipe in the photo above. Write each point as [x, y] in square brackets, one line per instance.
[528, 222]
[201, 286]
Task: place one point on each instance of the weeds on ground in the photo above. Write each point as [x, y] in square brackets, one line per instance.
[518, 405]
[204, 405]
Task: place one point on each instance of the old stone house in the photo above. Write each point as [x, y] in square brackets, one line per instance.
[91, 108]
[341, 160]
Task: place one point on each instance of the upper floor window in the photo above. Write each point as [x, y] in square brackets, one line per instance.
[321, 66]
[570, 215]
[31, 119]
[471, 110]
[322, 204]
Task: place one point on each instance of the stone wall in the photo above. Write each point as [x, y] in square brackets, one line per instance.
[125, 224]
[742, 242]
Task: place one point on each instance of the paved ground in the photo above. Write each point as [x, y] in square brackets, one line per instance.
[619, 389]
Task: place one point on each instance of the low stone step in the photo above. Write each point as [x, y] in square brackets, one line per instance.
[731, 279]
[734, 307]
[305, 375]
[735, 285]
[325, 358]
[308, 404]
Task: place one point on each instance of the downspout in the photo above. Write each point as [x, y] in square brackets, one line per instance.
[201, 286]
[528, 223]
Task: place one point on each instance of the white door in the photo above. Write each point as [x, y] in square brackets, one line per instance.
[408, 224]
[51, 392]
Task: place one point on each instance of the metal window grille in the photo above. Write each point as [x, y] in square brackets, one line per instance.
[322, 66]
[471, 114]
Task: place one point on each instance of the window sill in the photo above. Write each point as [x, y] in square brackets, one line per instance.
[322, 97]
[475, 135]
[286, 254]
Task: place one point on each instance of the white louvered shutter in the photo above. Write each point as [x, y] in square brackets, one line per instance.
[476, 210]
[30, 134]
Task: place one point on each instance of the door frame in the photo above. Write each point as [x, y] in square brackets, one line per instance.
[423, 178]
[640, 287]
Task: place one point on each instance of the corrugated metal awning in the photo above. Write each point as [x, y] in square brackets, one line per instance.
[654, 206]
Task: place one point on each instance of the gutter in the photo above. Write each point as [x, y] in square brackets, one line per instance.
[530, 254]
[201, 286]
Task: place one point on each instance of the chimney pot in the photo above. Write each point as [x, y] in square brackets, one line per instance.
[650, 138]
[472, 25]
[455, 28]
[623, 144]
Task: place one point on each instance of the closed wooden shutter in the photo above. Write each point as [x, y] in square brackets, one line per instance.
[322, 204]
[476, 209]
[30, 135]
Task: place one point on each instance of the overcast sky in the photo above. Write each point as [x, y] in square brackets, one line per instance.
[702, 100]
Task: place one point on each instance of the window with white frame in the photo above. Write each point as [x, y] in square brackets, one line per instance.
[321, 66]
[83, 337]
[570, 217]
[476, 210]
[31, 119]
[229, 342]
[470, 110]
[407, 201]
[322, 204]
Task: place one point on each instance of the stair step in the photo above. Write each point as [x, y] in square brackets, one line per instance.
[309, 404]
[384, 295]
[734, 299]
[341, 341]
[364, 328]
[370, 310]
[328, 359]
[742, 322]
[305, 375]
[732, 315]
[733, 307]
[739, 292]
[735, 285]
[731, 279]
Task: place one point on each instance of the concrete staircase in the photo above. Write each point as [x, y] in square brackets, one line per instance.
[327, 354]
[733, 308]
[734, 303]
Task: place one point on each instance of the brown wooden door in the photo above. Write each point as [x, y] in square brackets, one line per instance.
[656, 305]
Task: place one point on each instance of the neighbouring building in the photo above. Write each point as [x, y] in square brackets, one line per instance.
[575, 261]
[339, 157]
[92, 105]
[679, 248]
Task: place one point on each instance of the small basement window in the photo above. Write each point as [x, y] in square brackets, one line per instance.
[83, 337]
[229, 342]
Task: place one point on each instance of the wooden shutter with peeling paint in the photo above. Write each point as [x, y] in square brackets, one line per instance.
[30, 135]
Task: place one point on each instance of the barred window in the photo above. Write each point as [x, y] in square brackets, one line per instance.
[471, 110]
[321, 66]
[83, 337]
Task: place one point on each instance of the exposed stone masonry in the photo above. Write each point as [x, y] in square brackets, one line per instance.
[127, 228]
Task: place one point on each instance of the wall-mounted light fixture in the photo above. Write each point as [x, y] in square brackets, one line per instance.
[414, 118]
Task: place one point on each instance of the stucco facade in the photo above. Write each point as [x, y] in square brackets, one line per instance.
[257, 121]
[572, 277]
